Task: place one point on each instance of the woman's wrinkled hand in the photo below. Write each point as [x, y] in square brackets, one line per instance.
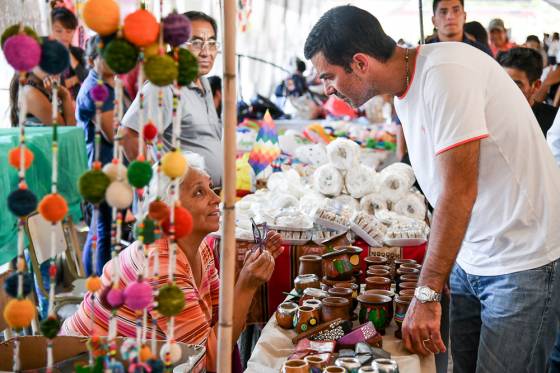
[257, 269]
[274, 244]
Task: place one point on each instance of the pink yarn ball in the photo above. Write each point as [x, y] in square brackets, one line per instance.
[138, 295]
[22, 52]
[99, 93]
[115, 298]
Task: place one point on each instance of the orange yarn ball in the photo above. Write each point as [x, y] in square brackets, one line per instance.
[93, 284]
[53, 207]
[145, 353]
[158, 210]
[15, 157]
[141, 28]
[102, 16]
[19, 313]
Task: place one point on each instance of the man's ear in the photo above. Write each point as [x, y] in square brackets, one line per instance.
[434, 21]
[360, 62]
[537, 85]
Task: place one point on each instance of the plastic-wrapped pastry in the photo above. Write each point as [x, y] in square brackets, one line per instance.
[373, 203]
[359, 181]
[393, 186]
[330, 219]
[314, 154]
[327, 180]
[369, 228]
[411, 205]
[348, 202]
[281, 201]
[413, 230]
[343, 153]
[402, 169]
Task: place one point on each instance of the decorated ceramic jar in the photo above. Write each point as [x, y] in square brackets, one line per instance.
[285, 314]
[307, 317]
[337, 266]
[377, 309]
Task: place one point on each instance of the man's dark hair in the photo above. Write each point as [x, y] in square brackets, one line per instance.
[344, 31]
[525, 59]
[436, 3]
[65, 17]
[533, 38]
[300, 65]
[478, 31]
[195, 15]
[215, 84]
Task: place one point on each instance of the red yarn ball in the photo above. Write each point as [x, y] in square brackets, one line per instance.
[158, 210]
[53, 207]
[15, 157]
[141, 28]
[183, 222]
[22, 52]
[150, 131]
[138, 295]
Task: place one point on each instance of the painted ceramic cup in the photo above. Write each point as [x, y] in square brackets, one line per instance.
[334, 308]
[343, 293]
[379, 273]
[398, 262]
[355, 291]
[307, 317]
[303, 282]
[315, 303]
[334, 369]
[337, 266]
[326, 284]
[387, 293]
[374, 259]
[311, 264]
[351, 364]
[407, 292]
[382, 283]
[401, 306]
[377, 309]
[285, 314]
[354, 254]
[312, 293]
[295, 366]
[315, 361]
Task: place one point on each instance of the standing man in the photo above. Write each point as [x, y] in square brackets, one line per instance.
[449, 20]
[495, 230]
[201, 129]
[499, 39]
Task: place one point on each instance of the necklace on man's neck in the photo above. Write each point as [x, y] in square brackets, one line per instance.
[407, 72]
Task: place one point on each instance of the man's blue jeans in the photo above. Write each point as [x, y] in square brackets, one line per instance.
[504, 323]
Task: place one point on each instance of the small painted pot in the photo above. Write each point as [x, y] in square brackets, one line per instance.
[315, 361]
[312, 293]
[375, 308]
[401, 306]
[326, 284]
[379, 273]
[334, 308]
[374, 259]
[382, 283]
[337, 266]
[387, 293]
[285, 314]
[407, 292]
[398, 262]
[351, 364]
[385, 365]
[295, 366]
[355, 291]
[311, 264]
[343, 293]
[334, 369]
[316, 303]
[303, 282]
[354, 253]
[307, 317]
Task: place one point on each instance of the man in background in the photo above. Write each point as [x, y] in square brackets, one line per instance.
[499, 39]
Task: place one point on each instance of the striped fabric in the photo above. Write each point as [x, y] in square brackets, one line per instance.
[196, 324]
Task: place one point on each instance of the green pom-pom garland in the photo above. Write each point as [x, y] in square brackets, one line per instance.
[171, 300]
[139, 173]
[148, 232]
[120, 55]
[161, 70]
[50, 327]
[188, 67]
[92, 186]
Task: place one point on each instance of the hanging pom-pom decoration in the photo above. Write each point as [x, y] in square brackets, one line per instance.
[55, 58]
[158, 210]
[15, 158]
[139, 173]
[152, 50]
[183, 223]
[176, 29]
[120, 56]
[11, 284]
[150, 132]
[93, 284]
[188, 67]
[50, 327]
[161, 70]
[99, 92]
[170, 300]
[174, 164]
[22, 52]
[53, 207]
[18, 313]
[145, 353]
[174, 352]
[22, 202]
[102, 16]
[115, 297]
[141, 28]
[14, 30]
[92, 186]
[138, 295]
[156, 365]
[114, 169]
[147, 229]
[119, 194]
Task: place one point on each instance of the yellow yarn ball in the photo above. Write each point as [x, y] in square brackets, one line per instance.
[93, 284]
[19, 313]
[152, 50]
[174, 164]
[102, 16]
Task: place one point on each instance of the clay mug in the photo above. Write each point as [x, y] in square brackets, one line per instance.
[367, 369]
[307, 317]
[343, 293]
[285, 314]
[401, 306]
[379, 273]
[409, 278]
[295, 366]
[411, 265]
[374, 259]
[326, 284]
[407, 285]
[382, 283]
[334, 369]
[387, 293]
[337, 266]
[315, 303]
[381, 266]
[355, 291]
[311, 264]
[404, 271]
[315, 361]
[334, 308]
[377, 309]
[407, 292]
[303, 282]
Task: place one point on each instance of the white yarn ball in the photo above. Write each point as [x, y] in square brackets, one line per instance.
[112, 171]
[119, 194]
[174, 350]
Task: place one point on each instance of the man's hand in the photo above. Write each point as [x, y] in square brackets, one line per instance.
[420, 328]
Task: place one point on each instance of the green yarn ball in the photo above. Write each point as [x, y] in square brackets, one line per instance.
[120, 55]
[171, 300]
[139, 173]
[188, 67]
[50, 327]
[161, 70]
[92, 186]
[148, 232]
[14, 30]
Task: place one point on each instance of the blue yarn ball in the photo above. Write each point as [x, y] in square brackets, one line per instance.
[156, 365]
[55, 58]
[22, 202]
[11, 284]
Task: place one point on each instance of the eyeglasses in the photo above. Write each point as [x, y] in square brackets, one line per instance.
[260, 232]
[198, 45]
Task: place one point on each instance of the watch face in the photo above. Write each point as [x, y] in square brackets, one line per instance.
[425, 293]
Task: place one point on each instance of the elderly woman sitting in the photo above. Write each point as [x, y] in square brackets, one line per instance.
[195, 274]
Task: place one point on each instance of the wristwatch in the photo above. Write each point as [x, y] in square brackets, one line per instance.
[424, 294]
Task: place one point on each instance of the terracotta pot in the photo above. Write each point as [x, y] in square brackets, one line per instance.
[354, 254]
[303, 282]
[316, 303]
[285, 314]
[343, 293]
[306, 317]
[311, 264]
[381, 266]
[334, 369]
[372, 260]
[387, 293]
[408, 285]
[326, 284]
[355, 291]
[404, 271]
[401, 306]
[379, 273]
[334, 308]
[409, 278]
[407, 292]
[375, 282]
[398, 262]
[316, 361]
[337, 266]
[295, 366]
[377, 309]
[411, 265]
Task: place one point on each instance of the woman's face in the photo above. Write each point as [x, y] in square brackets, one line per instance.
[198, 197]
[61, 34]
